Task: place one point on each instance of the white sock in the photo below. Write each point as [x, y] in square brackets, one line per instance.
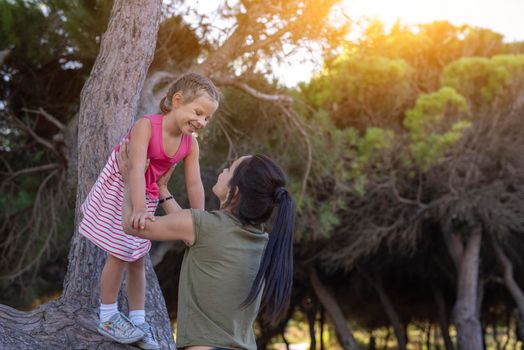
[137, 316]
[107, 310]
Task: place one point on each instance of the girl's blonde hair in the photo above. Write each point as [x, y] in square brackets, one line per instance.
[191, 85]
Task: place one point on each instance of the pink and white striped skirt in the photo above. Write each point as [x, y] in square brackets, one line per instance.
[102, 215]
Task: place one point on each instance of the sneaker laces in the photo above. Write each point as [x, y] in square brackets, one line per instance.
[123, 324]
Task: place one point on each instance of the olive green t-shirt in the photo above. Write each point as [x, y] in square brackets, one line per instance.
[216, 277]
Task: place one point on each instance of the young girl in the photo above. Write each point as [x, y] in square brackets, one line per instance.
[165, 139]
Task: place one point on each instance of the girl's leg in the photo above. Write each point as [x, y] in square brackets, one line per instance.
[111, 279]
[136, 296]
[113, 324]
[110, 282]
[136, 285]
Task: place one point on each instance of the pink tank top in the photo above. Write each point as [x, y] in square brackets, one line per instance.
[159, 161]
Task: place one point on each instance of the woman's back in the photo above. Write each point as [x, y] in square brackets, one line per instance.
[216, 277]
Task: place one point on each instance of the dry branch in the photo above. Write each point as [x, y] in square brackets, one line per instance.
[284, 99]
[37, 138]
[47, 116]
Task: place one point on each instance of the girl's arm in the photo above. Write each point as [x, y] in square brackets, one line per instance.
[170, 205]
[137, 150]
[195, 189]
[177, 225]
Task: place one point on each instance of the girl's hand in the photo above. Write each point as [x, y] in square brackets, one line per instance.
[164, 179]
[139, 217]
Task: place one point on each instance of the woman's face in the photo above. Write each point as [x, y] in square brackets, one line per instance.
[221, 188]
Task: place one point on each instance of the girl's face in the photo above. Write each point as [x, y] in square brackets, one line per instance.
[193, 116]
[221, 188]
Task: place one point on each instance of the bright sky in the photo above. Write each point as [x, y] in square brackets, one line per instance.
[503, 16]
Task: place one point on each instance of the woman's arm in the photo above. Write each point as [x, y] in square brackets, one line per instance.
[175, 226]
[195, 189]
[137, 150]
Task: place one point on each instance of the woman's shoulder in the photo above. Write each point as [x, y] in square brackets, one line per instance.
[215, 220]
[213, 226]
[213, 216]
[222, 220]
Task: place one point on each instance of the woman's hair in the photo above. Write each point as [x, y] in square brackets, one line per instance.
[191, 85]
[261, 185]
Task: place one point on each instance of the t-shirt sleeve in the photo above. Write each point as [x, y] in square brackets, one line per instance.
[197, 222]
[205, 223]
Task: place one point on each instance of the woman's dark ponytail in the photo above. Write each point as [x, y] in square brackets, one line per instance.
[275, 274]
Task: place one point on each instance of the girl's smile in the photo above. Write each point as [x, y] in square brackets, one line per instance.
[192, 116]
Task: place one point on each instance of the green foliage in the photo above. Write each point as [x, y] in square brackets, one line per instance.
[361, 91]
[84, 21]
[177, 46]
[15, 202]
[434, 125]
[428, 48]
[31, 33]
[371, 151]
[485, 82]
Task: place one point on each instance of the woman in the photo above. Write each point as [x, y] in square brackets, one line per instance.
[231, 268]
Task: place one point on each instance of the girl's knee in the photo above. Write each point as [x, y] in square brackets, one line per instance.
[138, 264]
[114, 260]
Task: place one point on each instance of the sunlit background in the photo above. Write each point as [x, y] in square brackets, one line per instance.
[504, 17]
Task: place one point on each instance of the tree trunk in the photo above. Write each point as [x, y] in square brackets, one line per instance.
[469, 332]
[108, 105]
[268, 332]
[372, 341]
[509, 280]
[322, 321]
[443, 318]
[344, 334]
[310, 310]
[390, 311]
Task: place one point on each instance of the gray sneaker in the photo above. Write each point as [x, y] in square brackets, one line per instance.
[148, 342]
[120, 329]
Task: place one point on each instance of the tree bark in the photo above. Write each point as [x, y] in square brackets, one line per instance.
[344, 334]
[469, 332]
[108, 104]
